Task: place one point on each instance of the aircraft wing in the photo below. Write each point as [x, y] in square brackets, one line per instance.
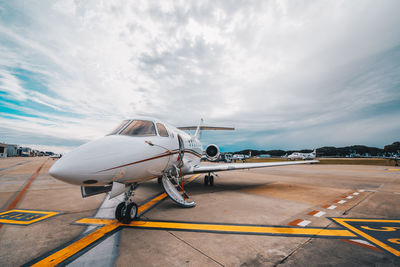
[241, 166]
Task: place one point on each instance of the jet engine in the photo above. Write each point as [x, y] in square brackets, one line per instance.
[212, 152]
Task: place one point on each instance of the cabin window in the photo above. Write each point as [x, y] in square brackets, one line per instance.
[162, 131]
[116, 130]
[140, 128]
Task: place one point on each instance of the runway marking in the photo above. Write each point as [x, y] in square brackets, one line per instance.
[299, 222]
[363, 243]
[69, 251]
[349, 197]
[109, 226]
[356, 193]
[304, 223]
[22, 192]
[330, 207]
[295, 222]
[361, 190]
[25, 217]
[24, 189]
[317, 213]
[64, 253]
[226, 228]
[312, 213]
[341, 201]
[382, 233]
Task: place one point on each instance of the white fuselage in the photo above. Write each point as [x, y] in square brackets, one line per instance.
[302, 156]
[127, 159]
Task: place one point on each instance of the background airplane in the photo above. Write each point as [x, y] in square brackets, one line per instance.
[139, 150]
[302, 156]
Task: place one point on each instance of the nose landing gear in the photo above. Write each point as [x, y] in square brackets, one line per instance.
[127, 211]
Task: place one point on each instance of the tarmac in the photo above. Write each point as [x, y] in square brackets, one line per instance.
[303, 215]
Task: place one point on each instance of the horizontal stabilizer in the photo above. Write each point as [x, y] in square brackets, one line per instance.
[213, 128]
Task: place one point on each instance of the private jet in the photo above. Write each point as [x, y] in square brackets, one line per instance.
[302, 156]
[139, 150]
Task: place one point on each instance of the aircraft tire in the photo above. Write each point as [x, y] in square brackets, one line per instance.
[211, 180]
[206, 180]
[130, 214]
[119, 211]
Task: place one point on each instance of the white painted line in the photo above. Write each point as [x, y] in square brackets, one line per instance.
[304, 223]
[361, 190]
[105, 253]
[331, 207]
[342, 201]
[356, 193]
[319, 214]
[349, 197]
[362, 242]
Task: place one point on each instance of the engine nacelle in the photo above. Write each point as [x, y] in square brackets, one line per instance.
[212, 152]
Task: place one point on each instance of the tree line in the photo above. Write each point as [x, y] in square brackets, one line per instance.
[331, 151]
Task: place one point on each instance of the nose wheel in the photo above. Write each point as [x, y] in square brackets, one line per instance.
[127, 211]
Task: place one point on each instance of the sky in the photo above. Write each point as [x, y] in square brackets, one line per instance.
[285, 74]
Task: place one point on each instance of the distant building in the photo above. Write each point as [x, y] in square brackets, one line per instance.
[3, 150]
[264, 156]
[12, 150]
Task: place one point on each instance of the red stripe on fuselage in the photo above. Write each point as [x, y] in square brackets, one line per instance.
[152, 158]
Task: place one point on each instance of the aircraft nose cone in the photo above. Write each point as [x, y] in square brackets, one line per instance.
[62, 171]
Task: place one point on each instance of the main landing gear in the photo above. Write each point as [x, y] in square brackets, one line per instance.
[209, 180]
[127, 211]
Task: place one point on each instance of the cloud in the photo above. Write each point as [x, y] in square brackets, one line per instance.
[284, 73]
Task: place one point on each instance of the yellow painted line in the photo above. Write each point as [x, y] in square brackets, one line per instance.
[191, 178]
[366, 220]
[228, 228]
[48, 214]
[109, 225]
[366, 236]
[77, 246]
[96, 221]
[393, 169]
[242, 229]
[151, 203]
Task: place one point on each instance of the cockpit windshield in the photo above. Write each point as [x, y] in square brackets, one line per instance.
[116, 130]
[140, 128]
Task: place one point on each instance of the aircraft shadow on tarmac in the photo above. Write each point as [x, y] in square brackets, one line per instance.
[198, 188]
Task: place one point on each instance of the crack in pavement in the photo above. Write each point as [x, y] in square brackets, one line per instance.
[198, 250]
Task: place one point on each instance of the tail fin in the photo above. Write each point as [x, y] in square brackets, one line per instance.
[199, 128]
[197, 133]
